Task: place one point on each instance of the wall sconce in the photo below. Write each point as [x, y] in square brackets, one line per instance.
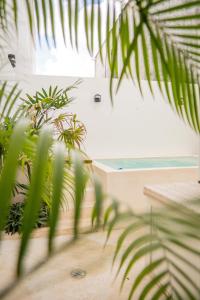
[97, 98]
[12, 60]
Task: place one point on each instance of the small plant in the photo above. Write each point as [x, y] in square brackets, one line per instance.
[46, 107]
[15, 218]
[70, 130]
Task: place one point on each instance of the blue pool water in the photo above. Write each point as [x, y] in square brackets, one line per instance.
[149, 163]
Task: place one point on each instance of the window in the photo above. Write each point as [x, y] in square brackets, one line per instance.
[65, 60]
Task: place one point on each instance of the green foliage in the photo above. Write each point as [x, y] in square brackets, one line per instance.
[154, 39]
[161, 247]
[58, 182]
[166, 31]
[15, 218]
[39, 107]
[6, 129]
[44, 108]
[70, 130]
[9, 171]
[9, 94]
[31, 210]
[35, 192]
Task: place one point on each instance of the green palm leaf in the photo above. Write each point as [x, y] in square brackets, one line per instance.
[166, 31]
[34, 194]
[58, 180]
[9, 171]
[80, 178]
[165, 242]
[9, 97]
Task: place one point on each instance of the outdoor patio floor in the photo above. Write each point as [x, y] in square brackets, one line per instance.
[54, 280]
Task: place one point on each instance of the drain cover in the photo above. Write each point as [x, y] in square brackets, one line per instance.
[78, 273]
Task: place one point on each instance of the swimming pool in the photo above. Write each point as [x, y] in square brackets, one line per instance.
[125, 178]
[149, 163]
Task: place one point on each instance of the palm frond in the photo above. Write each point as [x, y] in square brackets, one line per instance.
[144, 40]
[8, 22]
[46, 99]
[34, 194]
[9, 171]
[169, 56]
[166, 32]
[81, 178]
[58, 184]
[9, 97]
[159, 251]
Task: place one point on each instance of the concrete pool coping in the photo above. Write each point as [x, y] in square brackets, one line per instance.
[127, 185]
[110, 170]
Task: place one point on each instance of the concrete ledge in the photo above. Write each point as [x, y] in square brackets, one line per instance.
[181, 192]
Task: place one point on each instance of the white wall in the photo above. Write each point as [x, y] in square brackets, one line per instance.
[18, 43]
[134, 127]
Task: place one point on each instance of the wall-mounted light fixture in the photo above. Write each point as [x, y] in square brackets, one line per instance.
[12, 60]
[97, 98]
